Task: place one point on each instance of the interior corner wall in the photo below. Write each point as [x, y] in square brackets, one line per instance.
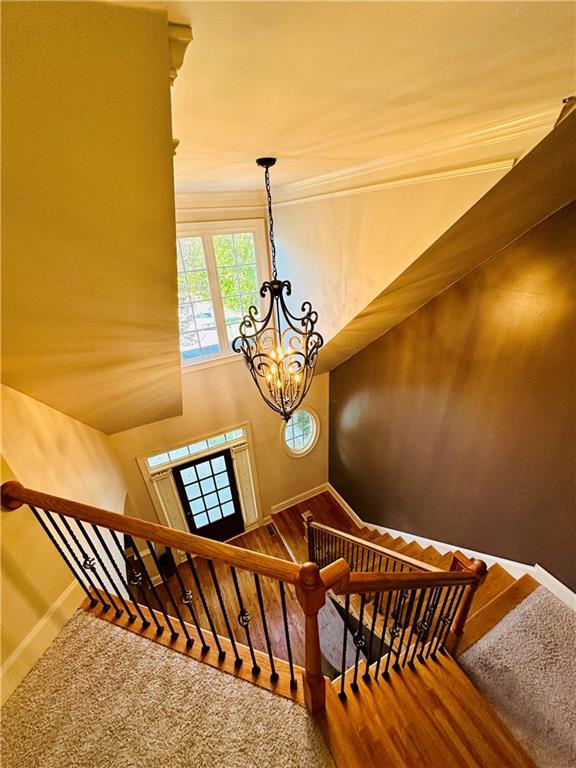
[341, 252]
[215, 399]
[51, 452]
[458, 424]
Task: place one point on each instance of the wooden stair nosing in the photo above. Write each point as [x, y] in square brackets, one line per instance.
[485, 619]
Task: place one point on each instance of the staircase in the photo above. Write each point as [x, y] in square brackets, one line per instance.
[495, 597]
[398, 697]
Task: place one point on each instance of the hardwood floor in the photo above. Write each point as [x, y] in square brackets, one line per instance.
[260, 541]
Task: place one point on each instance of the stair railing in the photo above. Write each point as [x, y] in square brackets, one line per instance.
[115, 577]
[398, 610]
[326, 544]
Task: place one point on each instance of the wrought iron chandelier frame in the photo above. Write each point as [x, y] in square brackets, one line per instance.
[280, 348]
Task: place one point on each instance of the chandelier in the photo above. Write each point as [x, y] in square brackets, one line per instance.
[279, 348]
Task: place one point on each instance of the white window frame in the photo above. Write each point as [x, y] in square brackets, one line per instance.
[312, 444]
[205, 230]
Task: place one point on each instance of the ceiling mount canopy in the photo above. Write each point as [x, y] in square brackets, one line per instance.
[280, 349]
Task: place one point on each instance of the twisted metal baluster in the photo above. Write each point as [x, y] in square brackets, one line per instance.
[415, 619]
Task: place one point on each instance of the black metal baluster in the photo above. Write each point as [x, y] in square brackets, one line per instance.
[131, 616]
[154, 556]
[89, 565]
[359, 641]
[154, 591]
[342, 694]
[205, 646]
[395, 630]
[438, 620]
[405, 622]
[415, 621]
[134, 578]
[274, 674]
[293, 683]
[186, 599]
[427, 621]
[86, 567]
[444, 622]
[385, 627]
[458, 593]
[386, 565]
[237, 659]
[62, 554]
[244, 620]
[376, 603]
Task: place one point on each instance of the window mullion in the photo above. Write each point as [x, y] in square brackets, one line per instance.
[214, 283]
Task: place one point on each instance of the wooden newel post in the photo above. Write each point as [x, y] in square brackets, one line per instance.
[478, 567]
[309, 534]
[311, 594]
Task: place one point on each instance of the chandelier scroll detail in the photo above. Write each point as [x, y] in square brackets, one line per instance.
[280, 348]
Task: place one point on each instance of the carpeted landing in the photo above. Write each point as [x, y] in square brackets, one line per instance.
[103, 697]
[526, 668]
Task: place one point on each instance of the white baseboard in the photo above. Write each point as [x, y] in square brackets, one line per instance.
[29, 650]
[301, 497]
[555, 586]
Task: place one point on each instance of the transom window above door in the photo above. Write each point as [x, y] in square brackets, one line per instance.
[220, 269]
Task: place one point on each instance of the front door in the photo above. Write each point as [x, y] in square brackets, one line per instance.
[209, 496]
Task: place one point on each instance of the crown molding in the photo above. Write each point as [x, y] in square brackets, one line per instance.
[516, 129]
[417, 178]
[202, 202]
[494, 147]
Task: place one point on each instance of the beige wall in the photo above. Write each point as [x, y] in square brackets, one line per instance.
[341, 252]
[215, 399]
[48, 451]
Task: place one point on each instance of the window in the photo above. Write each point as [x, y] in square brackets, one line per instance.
[168, 457]
[300, 433]
[220, 270]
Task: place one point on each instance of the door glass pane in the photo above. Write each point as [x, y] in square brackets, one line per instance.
[200, 520]
[198, 334]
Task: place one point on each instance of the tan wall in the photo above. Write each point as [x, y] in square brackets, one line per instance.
[341, 252]
[215, 399]
[48, 451]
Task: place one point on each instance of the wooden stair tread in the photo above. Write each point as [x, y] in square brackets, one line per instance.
[494, 611]
[497, 580]
[432, 717]
[413, 549]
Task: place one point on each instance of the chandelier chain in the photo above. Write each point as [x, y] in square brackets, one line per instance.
[270, 224]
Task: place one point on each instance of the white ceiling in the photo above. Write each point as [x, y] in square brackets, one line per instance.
[327, 86]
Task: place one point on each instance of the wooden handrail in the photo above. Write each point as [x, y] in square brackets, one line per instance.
[13, 495]
[388, 582]
[389, 553]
